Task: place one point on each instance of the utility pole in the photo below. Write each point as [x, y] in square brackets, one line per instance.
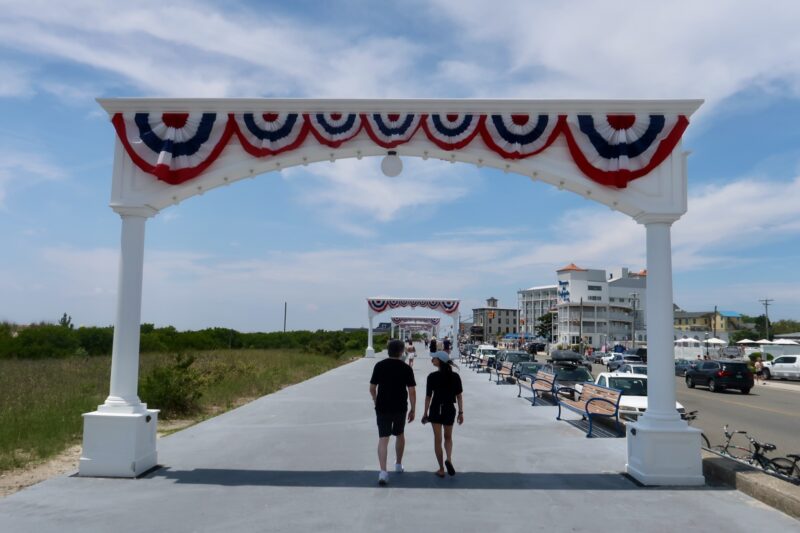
[715, 321]
[580, 327]
[634, 298]
[285, 305]
[767, 302]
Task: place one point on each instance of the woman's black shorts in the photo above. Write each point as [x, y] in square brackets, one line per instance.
[444, 413]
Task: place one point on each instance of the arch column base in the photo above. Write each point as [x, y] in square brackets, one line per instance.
[118, 444]
[370, 352]
[667, 454]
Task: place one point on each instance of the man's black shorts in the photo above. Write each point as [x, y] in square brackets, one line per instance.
[391, 424]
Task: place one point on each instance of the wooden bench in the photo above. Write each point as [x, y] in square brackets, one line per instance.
[541, 383]
[503, 372]
[594, 401]
[483, 364]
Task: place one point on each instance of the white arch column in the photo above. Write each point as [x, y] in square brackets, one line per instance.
[662, 448]
[370, 350]
[119, 439]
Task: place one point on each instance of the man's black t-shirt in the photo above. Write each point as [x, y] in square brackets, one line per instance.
[433, 346]
[446, 345]
[392, 376]
[444, 387]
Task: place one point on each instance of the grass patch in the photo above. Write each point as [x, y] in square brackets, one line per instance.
[41, 401]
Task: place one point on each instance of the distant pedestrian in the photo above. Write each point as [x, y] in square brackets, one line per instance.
[447, 345]
[759, 366]
[392, 386]
[411, 353]
[432, 347]
[443, 390]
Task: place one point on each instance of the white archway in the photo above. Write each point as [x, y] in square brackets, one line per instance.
[376, 306]
[624, 154]
[415, 323]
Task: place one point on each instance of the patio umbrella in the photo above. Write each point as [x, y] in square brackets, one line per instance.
[683, 341]
[714, 340]
[746, 341]
[764, 341]
[787, 342]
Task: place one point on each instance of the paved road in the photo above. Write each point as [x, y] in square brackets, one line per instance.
[769, 413]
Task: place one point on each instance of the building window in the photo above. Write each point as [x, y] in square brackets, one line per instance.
[595, 298]
[595, 288]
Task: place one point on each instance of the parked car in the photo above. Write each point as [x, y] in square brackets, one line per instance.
[570, 357]
[633, 368]
[783, 367]
[597, 357]
[605, 358]
[568, 374]
[633, 401]
[486, 351]
[720, 375]
[681, 366]
[526, 367]
[511, 356]
[536, 347]
[621, 359]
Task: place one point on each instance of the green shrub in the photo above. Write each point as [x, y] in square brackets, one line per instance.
[45, 340]
[96, 341]
[175, 389]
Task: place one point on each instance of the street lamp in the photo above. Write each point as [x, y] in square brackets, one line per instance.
[634, 299]
[706, 345]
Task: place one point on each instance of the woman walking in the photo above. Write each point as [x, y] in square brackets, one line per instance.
[443, 391]
[411, 353]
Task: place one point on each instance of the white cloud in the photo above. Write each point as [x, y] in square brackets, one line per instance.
[627, 49]
[21, 168]
[14, 80]
[354, 194]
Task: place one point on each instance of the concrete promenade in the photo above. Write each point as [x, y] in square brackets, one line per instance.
[303, 459]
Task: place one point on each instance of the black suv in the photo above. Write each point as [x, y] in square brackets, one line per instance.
[721, 375]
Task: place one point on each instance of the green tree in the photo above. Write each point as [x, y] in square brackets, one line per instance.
[544, 326]
[66, 322]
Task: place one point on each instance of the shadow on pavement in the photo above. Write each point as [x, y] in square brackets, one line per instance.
[408, 480]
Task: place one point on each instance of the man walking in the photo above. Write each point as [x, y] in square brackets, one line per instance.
[391, 386]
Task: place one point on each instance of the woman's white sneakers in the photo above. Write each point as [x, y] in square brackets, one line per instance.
[383, 478]
[398, 468]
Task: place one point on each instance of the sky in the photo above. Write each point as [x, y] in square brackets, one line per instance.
[326, 236]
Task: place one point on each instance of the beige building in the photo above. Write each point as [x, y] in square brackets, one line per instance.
[493, 323]
[711, 321]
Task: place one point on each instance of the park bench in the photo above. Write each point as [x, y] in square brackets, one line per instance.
[483, 364]
[505, 372]
[594, 401]
[541, 383]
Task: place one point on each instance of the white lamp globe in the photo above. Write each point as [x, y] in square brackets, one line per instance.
[391, 165]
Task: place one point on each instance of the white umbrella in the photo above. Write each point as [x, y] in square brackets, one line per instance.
[683, 341]
[746, 341]
[764, 341]
[787, 342]
[714, 340]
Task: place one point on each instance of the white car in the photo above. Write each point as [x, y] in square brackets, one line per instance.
[783, 367]
[634, 392]
[486, 351]
[609, 357]
[633, 368]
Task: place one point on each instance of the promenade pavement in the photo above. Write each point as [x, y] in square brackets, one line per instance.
[304, 459]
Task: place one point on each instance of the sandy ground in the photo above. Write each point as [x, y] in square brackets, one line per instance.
[64, 463]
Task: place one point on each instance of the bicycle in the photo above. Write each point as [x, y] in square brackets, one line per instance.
[759, 459]
[690, 417]
[731, 450]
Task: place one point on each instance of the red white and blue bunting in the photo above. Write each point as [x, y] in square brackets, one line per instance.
[400, 320]
[615, 149]
[448, 307]
[609, 149]
[518, 136]
[263, 134]
[174, 147]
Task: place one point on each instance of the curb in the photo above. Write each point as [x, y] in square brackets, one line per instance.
[776, 493]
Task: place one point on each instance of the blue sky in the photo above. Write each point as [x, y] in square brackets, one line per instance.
[325, 237]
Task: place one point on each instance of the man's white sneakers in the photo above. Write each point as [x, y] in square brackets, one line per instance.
[383, 478]
[398, 468]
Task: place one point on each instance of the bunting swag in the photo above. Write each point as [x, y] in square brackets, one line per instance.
[445, 306]
[174, 147]
[264, 134]
[518, 136]
[398, 320]
[615, 149]
[609, 149]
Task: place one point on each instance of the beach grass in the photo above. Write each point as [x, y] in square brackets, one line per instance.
[41, 401]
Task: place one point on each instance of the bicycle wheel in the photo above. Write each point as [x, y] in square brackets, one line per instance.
[785, 466]
[705, 443]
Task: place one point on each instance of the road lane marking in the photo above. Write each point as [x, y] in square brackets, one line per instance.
[740, 404]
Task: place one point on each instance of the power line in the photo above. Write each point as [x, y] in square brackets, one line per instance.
[767, 302]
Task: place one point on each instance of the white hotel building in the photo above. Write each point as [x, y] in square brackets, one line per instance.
[602, 308]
